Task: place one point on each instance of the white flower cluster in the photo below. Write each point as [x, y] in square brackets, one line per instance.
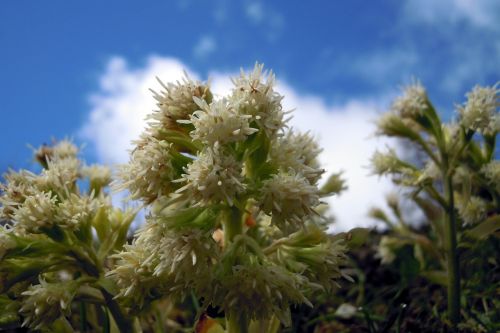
[258, 289]
[298, 151]
[492, 173]
[413, 102]
[165, 261]
[480, 113]
[385, 163]
[176, 100]
[35, 202]
[213, 176]
[45, 302]
[219, 122]
[254, 95]
[473, 210]
[149, 173]
[219, 167]
[288, 197]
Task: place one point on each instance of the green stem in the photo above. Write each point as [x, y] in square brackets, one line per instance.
[83, 317]
[124, 323]
[274, 325]
[233, 224]
[452, 255]
[236, 323]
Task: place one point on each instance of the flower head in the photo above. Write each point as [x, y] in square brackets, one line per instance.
[37, 212]
[385, 163]
[75, 211]
[254, 95]
[413, 102]
[219, 122]
[260, 289]
[98, 175]
[480, 113]
[311, 252]
[288, 197]
[176, 100]
[18, 186]
[60, 174]
[473, 210]
[46, 302]
[385, 250]
[213, 176]
[59, 150]
[298, 151]
[167, 261]
[492, 173]
[150, 172]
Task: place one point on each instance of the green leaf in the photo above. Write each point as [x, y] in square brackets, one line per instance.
[484, 229]
[437, 277]
[8, 316]
[101, 223]
[204, 218]
[409, 267]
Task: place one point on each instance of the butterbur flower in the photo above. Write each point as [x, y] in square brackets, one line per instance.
[60, 150]
[135, 280]
[98, 175]
[18, 186]
[310, 251]
[213, 176]
[473, 210]
[492, 173]
[176, 100]
[480, 113]
[412, 103]
[221, 170]
[64, 149]
[150, 171]
[385, 163]
[254, 95]
[385, 250]
[298, 151]
[36, 212]
[259, 289]
[45, 302]
[75, 211]
[172, 261]
[219, 122]
[288, 197]
[60, 174]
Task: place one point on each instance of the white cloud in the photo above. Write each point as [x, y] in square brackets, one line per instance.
[271, 21]
[344, 131]
[481, 13]
[255, 12]
[205, 47]
[380, 67]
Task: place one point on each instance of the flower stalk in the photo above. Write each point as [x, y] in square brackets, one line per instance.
[452, 254]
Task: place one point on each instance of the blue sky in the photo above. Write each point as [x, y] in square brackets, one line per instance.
[56, 54]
